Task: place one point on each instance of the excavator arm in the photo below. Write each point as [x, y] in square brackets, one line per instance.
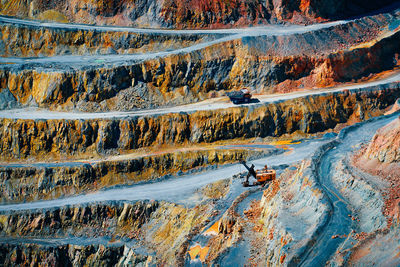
[264, 175]
[251, 170]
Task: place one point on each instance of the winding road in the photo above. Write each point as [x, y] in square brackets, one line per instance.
[338, 222]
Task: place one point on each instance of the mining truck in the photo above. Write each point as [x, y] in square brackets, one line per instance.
[241, 96]
[262, 176]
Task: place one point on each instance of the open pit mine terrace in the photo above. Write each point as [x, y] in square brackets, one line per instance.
[120, 147]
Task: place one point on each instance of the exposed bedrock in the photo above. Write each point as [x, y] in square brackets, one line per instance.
[33, 183]
[385, 145]
[284, 222]
[26, 138]
[379, 163]
[369, 182]
[227, 233]
[364, 196]
[187, 14]
[381, 159]
[104, 219]
[161, 228]
[32, 41]
[166, 229]
[70, 255]
[172, 227]
[20, 40]
[294, 208]
[201, 74]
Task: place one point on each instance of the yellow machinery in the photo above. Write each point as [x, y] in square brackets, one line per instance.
[262, 176]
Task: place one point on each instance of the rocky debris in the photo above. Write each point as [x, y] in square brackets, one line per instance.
[379, 248]
[229, 233]
[360, 236]
[293, 209]
[34, 183]
[254, 212]
[21, 139]
[7, 100]
[187, 14]
[254, 233]
[216, 190]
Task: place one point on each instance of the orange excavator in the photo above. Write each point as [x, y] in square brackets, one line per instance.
[262, 176]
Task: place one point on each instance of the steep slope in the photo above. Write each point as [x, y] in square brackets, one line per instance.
[385, 146]
[302, 60]
[187, 14]
[24, 138]
[380, 163]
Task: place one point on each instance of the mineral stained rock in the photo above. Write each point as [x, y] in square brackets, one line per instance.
[33, 41]
[379, 182]
[31, 183]
[119, 147]
[385, 146]
[32, 138]
[187, 14]
[266, 64]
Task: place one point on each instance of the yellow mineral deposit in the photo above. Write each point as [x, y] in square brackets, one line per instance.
[198, 252]
[213, 230]
[284, 142]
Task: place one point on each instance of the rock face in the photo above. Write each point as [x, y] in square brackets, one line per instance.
[88, 221]
[34, 183]
[274, 235]
[163, 230]
[32, 41]
[29, 138]
[385, 145]
[294, 199]
[379, 162]
[171, 229]
[58, 211]
[381, 158]
[187, 14]
[299, 61]
[69, 255]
